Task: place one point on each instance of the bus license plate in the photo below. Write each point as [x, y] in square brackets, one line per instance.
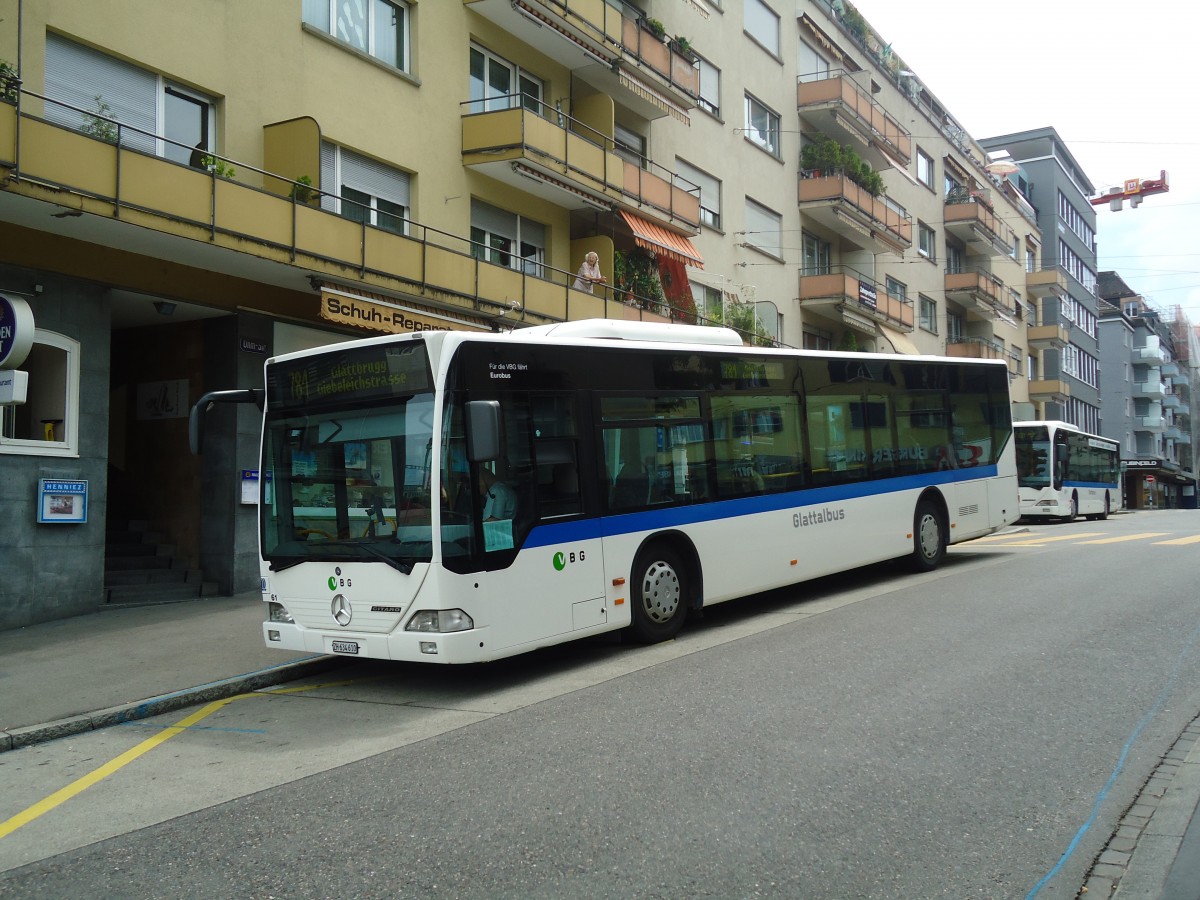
[345, 646]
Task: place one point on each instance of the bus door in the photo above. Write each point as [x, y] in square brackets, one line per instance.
[544, 565]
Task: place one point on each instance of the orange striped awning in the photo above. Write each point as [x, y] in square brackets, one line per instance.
[661, 242]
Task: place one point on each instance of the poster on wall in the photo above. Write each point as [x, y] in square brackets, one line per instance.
[62, 502]
[162, 400]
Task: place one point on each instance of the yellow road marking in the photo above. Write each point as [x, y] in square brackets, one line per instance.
[80, 785]
[1035, 540]
[1178, 542]
[1128, 537]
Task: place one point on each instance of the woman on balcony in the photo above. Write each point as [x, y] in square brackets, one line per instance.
[589, 273]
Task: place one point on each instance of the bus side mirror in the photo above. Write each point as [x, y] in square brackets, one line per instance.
[483, 430]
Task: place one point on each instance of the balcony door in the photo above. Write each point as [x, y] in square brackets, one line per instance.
[499, 84]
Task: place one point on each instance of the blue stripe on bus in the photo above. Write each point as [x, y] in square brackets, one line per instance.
[675, 516]
[1090, 484]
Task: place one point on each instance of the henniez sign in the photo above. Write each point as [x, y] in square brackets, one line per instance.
[16, 331]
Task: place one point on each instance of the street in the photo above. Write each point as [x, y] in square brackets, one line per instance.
[974, 732]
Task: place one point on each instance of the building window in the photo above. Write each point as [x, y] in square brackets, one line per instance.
[817, 255]
[710, 192]
[1030, 260]
[924, 168]
[896, 290]
[763, 229]
[506, 239]
[928, 314]
[47, 424]
[498, 84]
[955, 325]
[954, 258]
[762, 24]
[363, 190]
[817, 339]
[710, 88]
[709, 302]
[762, 126]
[376, 27]
[630, 146]
[154, 115]
[926, 241]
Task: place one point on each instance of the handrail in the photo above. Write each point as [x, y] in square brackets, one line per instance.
[427, 236]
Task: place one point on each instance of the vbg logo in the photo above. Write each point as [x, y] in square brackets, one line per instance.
[562, 560]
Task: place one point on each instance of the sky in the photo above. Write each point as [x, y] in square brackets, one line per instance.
[1116, 81]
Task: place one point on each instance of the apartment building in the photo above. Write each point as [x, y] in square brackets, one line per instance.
[1147, 396]
[192, 188]
[1066, 382]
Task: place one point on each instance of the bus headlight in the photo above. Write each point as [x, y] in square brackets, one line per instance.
[277, 612]
[441, 621]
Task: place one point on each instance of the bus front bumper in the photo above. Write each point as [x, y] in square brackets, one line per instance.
[405, 646]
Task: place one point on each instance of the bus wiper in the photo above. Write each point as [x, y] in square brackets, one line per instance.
[403, 565]
[279, 563]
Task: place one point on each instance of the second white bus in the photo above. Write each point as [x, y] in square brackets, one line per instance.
[1064, 473]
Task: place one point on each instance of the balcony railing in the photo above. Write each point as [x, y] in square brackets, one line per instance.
[856, 115]
[1153, 389]
[982, 289]
[837, 202]
[517, 139]
[1156, 424]
[968, 218]
[975, 348]
[848, 290]
[1049, 389]
[78, 173]
[1046, 282]
[606, 40]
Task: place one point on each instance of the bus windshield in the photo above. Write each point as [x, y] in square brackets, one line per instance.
[349, 485]
[1033, 456]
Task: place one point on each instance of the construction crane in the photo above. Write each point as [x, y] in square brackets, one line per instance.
[1135, 189]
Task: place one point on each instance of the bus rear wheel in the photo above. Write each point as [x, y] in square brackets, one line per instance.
[659, 595]
[929, 538]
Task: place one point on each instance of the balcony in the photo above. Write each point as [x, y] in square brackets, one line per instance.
[866, 222]
[969, 218]
[605, 45]
[849, 296]
[975, 348]
[855, 118]
[983, 293]
[1049, 390]
[569, 164]
[1170, 401]
[1047, 337]
[1046, 283]
[255, 231]
[1153, 389]
[1156, 424]
[1169, 368]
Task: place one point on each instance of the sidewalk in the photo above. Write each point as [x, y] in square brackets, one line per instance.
[72, 675]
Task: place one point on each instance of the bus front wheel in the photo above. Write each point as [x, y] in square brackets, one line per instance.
[1073, 512]
[659, 595]
[929, 538]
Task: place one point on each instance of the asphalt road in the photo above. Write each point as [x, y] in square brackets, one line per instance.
[976, 732]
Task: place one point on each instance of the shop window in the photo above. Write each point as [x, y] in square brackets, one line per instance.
[48, 423]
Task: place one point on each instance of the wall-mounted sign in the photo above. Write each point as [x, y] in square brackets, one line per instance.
[16, 331]
[14, 386]
[254, 346]
[350, 309]
[867, 295]
[62, 502]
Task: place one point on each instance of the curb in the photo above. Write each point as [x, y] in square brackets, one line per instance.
[16, 738]
[1137, 859]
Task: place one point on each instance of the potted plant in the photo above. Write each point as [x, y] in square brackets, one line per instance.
[302, 190]
[656, 28]
[102, 124]
[683, 47]
[9, 82]
[219, 166]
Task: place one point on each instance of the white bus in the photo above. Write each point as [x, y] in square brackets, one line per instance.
[454, 497]
[1064, 472]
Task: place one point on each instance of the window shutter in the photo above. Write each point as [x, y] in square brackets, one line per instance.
[374, 178]
[77, 75]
